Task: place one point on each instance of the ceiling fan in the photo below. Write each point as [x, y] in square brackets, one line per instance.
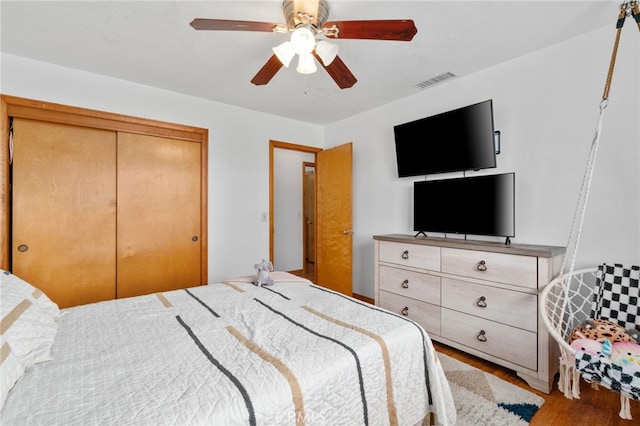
[306, 20]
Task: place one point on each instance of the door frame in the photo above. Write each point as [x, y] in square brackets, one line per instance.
[12, 106]
[273, 145]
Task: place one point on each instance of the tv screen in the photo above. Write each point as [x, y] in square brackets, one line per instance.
[479, 205]
[461, 139]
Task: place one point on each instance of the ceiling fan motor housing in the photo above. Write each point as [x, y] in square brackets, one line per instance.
[302, 12]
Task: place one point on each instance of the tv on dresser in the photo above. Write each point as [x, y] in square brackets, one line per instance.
[478, 205]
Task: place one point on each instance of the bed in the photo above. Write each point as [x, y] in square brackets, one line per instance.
[222, 354]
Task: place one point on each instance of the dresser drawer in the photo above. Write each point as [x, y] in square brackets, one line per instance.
[425, 314]
[509, 307]
[508, 343]
[411, 284]
[513, 269]
[415, 255]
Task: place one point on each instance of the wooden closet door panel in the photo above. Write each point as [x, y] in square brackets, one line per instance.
[159, 239]
[64, 205]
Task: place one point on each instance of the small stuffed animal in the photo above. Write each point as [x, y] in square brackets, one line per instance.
[600, 329]
[626, 354]
[263, 268]
[590, 346]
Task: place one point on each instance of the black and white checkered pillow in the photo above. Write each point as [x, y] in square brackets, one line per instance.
[616, 296]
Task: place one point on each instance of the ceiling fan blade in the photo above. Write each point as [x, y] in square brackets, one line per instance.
[267, 71]
[392, 29]
[232, 25]
[338, 72]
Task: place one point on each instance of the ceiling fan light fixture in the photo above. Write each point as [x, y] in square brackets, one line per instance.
[306, 64]
[284, 53]
[303, 41]
[327, 51]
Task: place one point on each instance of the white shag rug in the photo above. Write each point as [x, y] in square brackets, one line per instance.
[484, 399]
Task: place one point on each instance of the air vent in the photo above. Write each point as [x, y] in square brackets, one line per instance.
[435, 80]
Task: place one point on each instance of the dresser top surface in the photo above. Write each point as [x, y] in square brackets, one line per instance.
[497, 247]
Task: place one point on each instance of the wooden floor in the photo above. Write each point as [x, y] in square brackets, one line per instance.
[595, 407]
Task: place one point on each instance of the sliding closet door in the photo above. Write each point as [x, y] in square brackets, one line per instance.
[64, 204]
[159, 205]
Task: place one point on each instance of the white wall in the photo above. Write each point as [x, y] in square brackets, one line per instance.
[238, 153]
[546, 105]
[288, 212]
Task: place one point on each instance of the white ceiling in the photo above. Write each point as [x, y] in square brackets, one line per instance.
[151, 43]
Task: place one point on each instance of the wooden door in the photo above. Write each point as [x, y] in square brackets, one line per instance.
[63, 210]
[159, 220]
[334, 258]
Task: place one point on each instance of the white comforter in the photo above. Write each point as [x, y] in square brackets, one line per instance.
[233, 353]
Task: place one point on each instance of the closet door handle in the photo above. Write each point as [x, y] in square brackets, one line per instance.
[194, 238]
[22, 248]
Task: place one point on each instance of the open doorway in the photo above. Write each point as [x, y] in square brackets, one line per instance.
[332, 223]
[292, 208]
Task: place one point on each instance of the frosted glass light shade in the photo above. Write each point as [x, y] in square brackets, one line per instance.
[303, 41]
[306, 64]
[327, 51]
[284, 53]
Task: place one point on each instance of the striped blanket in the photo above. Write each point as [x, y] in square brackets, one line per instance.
[233, 353]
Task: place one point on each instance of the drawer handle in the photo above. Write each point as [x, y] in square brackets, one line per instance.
[482, 302]
[405, 311]
[481, 337]
[482, 266]
[405, 254]
[405, 284]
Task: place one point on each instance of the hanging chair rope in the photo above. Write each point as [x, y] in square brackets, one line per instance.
[619, 24]
[569, 376]
[578, 218]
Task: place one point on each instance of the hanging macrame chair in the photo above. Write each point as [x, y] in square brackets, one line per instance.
[576, 297]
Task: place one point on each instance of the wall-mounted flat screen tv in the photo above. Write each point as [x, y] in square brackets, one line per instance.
[457, 140]
[479, 205]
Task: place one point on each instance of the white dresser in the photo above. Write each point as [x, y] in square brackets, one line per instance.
[479, 297]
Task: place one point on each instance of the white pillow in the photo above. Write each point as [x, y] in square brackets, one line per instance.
[10, 370]
[14, 285]
[27, 319]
